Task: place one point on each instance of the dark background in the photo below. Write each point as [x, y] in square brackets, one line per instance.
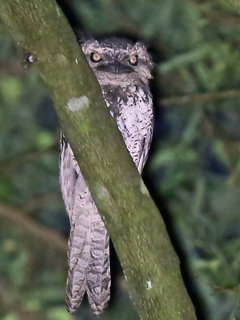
[193, 170]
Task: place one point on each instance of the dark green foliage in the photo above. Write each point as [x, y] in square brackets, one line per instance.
[194, 166]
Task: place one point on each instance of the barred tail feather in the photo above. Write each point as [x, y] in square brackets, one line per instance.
[89, 263]
[78, 258]
[98, 275]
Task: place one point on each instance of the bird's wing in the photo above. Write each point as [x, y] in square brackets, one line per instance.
[135, 121]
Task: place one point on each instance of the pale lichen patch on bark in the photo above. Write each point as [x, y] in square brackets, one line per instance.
[76, 104]
[149, 285]
[143, 188]
[59, 12]
[103, 192]
[61, 58]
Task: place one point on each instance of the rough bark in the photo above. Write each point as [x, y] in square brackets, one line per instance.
[150, 264]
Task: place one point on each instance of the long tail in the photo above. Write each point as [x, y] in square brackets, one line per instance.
[78, 260]
[89, 263]
[98, 275]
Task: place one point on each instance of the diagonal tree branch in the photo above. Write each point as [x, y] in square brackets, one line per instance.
[132, 219]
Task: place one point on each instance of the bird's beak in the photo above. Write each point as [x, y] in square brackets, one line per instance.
[115, 67]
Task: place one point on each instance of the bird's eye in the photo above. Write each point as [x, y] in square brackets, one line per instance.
[95, 57]
[133, 60]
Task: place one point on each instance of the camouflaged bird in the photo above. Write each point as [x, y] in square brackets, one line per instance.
[123, 69]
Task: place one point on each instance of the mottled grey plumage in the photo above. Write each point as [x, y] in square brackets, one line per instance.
[123, 71]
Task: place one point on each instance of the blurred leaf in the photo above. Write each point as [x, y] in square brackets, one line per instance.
[11, 89]
[44, 140]
[10, 316]
[58, 313]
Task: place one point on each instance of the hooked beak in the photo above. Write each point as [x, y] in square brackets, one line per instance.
[115, 67]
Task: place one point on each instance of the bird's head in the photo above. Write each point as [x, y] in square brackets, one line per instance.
[118, 61]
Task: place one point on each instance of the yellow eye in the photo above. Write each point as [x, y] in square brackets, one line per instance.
[95, 57]
[133, 60]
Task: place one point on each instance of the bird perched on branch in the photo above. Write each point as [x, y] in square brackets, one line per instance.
[123, 69]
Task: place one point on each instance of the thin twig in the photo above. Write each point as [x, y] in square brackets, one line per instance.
[17, 160]
[200, 98]
[222, 18]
